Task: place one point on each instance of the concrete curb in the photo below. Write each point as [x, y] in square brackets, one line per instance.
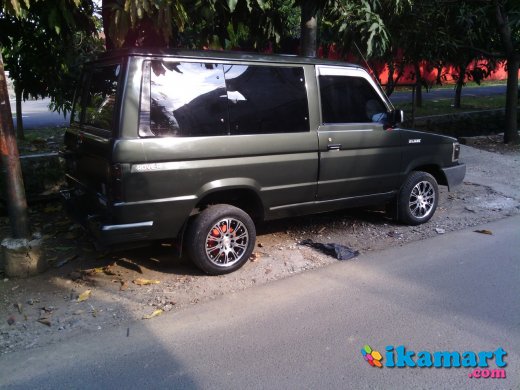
[22, 258]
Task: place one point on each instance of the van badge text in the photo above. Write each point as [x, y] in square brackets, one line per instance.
[414, 141]
[149, 167]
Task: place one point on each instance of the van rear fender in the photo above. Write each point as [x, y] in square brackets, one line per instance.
[239, 192]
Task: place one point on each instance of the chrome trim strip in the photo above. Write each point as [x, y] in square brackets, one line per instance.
[289, 186]
[108, 228]
[161, 200]
[330, 200]
[341, 131]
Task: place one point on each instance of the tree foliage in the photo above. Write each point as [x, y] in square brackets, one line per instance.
[60, 18]
[236, 24]
[44, 46]
[128, 23]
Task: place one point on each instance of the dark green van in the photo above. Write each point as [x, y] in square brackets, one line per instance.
[197, 145]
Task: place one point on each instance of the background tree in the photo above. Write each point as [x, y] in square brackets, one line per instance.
[347, 22]
[464, 25]
[48, 40]
[237, 24]
[212, 24]
[310, 11]
[15, 193]
[501, 41]
[507, 14]
[419, 40]
[59, 18]
[147, 23]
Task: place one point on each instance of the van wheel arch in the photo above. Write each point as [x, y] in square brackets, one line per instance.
[433, 170]
[245, 199]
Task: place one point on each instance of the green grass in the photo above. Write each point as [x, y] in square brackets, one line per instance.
[36, 140]
[468, 84]
[445, 106]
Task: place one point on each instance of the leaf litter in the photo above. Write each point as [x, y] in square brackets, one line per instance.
[484, 231]
[145, 282]
[84, 295]
[155, 313]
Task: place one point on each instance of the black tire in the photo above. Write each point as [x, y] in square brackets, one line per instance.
[221, 239]
[418, 198]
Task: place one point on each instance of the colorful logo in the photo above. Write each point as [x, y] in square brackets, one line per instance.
[481, 363]
[371, 356]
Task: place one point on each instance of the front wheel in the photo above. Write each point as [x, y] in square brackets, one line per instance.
[221, 239]
[418, 198]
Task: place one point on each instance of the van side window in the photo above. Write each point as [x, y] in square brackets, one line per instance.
[101, 97]
[182, 99]
[266, 99]
[346, 99]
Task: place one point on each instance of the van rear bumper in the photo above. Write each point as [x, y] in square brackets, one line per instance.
[94, 221]
[108, 234]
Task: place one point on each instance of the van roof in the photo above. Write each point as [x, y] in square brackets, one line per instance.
[222, 55]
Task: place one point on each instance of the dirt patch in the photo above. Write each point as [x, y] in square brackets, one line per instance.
[492, 143]
[87, 291]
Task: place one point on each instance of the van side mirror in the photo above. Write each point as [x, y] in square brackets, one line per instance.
[394, 117]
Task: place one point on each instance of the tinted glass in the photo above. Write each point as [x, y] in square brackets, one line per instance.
[266, 99]
[101, 97]
[350, 100]
[182, 99]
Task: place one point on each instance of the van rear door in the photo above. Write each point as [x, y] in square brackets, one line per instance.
[89, 140]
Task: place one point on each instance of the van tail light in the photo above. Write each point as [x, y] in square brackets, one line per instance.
[115, 187]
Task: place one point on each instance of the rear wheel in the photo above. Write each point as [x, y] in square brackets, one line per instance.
[221, 239]
[418, 198]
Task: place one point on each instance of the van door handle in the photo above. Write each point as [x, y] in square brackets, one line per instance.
[333, 146]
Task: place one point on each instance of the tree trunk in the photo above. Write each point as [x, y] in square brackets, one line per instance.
[511, 129]
[438, 78]
[390, 84]
[309, 28]
[106, 14]
[19, 118]
[459, 85]
[513, 59]
[13, 181]
[418, 84]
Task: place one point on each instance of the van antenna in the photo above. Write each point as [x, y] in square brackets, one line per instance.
[372, 72]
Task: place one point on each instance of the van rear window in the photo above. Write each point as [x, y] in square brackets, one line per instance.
[101, 97]
[266, 99]
[206, 99]
[182, 99]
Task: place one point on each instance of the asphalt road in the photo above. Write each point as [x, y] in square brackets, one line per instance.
[36, 113]
[456, 292]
